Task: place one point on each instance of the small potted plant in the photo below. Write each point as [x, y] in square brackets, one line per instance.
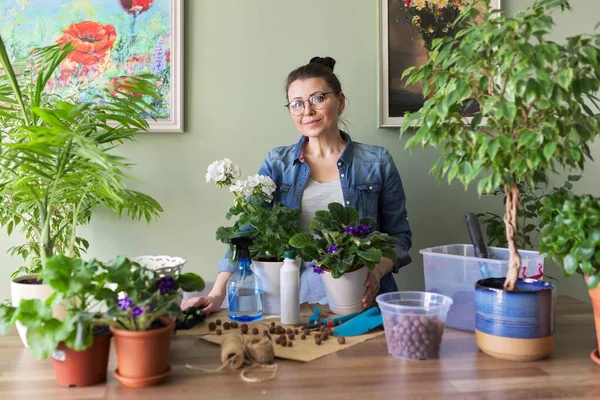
[269, 224]
[142, 319]
[571, 236]
[345, 247]
[80, 343]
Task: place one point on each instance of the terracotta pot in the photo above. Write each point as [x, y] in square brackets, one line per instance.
[82, 368]
[143, 356]
[595, 296]
[344, 293]
[515, 325]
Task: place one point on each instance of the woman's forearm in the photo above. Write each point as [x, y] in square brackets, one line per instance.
[385, 266]
[219, 289]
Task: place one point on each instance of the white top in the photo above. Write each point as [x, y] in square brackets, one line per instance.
[316, 197]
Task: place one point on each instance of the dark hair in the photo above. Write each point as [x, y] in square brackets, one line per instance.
[317, 67]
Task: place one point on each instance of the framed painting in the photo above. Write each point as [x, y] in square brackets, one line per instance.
[401, 46]
[112, 39]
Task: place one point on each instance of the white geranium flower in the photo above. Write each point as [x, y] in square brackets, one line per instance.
[222, 172]
[237, 186]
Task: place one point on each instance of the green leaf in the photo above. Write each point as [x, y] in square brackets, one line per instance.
[190, 282]
[302, 241]
[570, 264]
[373, 255]
[549, 150]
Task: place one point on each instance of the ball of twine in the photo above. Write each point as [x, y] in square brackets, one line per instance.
[257, 353]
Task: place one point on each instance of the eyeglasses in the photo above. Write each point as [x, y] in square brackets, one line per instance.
[317, 101]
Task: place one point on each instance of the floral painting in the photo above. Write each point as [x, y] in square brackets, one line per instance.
[112, 38]
[407, 30]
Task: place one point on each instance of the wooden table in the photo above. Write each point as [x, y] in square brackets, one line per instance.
[365, 371]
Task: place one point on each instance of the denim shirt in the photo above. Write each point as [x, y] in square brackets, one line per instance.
[370, 183]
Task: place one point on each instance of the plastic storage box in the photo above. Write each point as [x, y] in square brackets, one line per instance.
[453, 270]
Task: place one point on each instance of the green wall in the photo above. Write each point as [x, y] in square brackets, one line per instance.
[238, 54]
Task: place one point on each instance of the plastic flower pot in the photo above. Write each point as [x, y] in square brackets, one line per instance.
[82, 368]
[414, 323]
[143, 356]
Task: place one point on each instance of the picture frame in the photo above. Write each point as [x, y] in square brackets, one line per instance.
[113, 39]
[399, 48]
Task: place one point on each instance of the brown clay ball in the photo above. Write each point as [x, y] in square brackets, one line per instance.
[341, 340]
[212, 326]
[318, 341]
[218, 332]
[255, 331]
[218, 322]
[272, 324]
[289, 344]
[296, 331]
[291, 336]
[303, 336]
[271, 330]
[234, 325]
[244, 329]
[226, 325]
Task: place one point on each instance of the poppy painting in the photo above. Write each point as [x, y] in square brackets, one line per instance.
[113, 39]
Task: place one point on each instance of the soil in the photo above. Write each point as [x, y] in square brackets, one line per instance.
[30, 281]
[100, 330]
[157, 324]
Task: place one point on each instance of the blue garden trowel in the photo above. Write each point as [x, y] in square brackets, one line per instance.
[363, 323]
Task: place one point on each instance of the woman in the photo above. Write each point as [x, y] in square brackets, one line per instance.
[327, 166]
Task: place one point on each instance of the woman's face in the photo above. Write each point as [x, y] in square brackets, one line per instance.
[320, 118]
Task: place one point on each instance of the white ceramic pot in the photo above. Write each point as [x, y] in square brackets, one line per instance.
[344, 293]
[268, 272]
[26, 291]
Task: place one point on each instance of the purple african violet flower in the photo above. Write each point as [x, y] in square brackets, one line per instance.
[351, 230]
[149, 308]
[137, 311]
[332, 249]
[317, 270]
[364, 229]
[165, 284]
[124, 303]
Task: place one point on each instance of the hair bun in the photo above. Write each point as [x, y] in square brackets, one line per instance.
[326, 61]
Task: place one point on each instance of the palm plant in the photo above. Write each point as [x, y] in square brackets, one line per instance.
[56, 160]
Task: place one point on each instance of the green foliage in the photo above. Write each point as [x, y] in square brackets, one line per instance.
[532, 95]
[571, 233]
[56, 156]
[342, 243]
[81, 287]
[530, 205]
[144, 295]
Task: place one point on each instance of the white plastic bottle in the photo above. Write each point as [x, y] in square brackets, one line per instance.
[290, 289]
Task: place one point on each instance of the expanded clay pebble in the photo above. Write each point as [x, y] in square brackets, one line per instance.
[291, 336]
[226, 325]
[318, 341]
[271, 330]
[218, 322]
[272, 324]
[244, 329]
[255, 331]
[303, 336]
[289, 344]
[341, 340]
[296, 331]
[306, 331]
[234, 325]
[218, 332]
[414, 337]
[288, 331]
[212, 326]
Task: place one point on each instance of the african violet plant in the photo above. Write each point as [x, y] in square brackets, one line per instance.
[340, 242]
[571, 233]
[270, 225]
[532, 94]
[83, 286]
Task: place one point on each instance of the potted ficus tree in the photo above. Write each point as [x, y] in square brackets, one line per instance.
[345, 248]
[56, 161]
[532, 95]
[142, 319]
[269, 224]
[571, 235]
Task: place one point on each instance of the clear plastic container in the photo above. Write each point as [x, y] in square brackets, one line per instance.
[414, 323]
[453, 270]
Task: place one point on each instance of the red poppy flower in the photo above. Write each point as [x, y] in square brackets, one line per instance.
[120, 85]
[136, 6]
[92, 41]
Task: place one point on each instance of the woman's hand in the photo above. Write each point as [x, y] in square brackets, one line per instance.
[372, 283]
[371, 289]
[210, 304]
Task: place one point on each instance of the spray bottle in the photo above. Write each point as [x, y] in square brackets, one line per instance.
[244, 288]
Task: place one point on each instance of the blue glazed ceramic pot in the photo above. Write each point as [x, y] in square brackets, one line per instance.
[515, 325]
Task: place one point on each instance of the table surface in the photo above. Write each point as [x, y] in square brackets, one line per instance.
[364, 371]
